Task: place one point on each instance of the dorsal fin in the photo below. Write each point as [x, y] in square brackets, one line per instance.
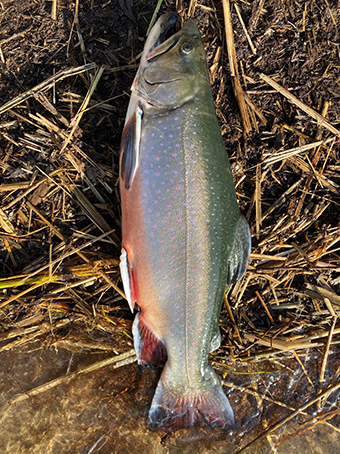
[129, 147]
[240, 252]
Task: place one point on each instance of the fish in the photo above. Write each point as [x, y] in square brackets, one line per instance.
[183, 236]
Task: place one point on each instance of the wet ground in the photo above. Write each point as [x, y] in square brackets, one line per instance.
[71, 394]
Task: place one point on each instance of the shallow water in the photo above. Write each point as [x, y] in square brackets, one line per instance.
[105, 410]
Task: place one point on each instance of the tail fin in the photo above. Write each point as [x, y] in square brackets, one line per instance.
[207, 406]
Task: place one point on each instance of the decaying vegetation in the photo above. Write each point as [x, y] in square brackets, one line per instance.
[65, 72]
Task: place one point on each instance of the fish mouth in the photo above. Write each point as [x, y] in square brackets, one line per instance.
[167, 35]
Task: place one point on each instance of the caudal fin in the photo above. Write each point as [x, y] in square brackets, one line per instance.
[209, 406]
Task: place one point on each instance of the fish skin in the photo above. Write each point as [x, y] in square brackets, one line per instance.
[182, 230]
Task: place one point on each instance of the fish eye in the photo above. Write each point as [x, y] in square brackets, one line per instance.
[187, 48]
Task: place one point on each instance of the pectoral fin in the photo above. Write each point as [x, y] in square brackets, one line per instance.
[129, 147]
[240, 252]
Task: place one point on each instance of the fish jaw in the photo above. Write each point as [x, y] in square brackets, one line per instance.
[169, 74]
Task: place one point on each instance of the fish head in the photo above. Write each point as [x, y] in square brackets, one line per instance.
[173, 65]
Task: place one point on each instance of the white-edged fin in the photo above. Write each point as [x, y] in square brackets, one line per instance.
[126, 278]
[215, 341]
[137, 341]
[240, 252]
[148, 346]
[130, 147]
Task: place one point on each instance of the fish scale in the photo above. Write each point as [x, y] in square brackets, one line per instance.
[175, 189]
[183, 235]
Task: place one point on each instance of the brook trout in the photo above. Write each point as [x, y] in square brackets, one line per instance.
[184, 238]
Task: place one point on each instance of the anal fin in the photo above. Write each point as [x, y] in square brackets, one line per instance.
[149, 348]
